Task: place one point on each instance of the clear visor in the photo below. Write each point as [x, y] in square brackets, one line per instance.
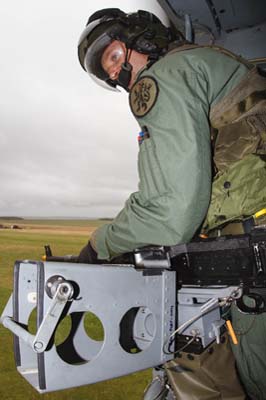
[93, 62]
[103, 84]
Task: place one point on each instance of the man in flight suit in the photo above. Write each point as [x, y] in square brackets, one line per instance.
[201, 164]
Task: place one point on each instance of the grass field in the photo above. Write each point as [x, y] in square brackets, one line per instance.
[65, 237]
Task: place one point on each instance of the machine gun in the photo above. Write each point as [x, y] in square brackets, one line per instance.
[169, 299]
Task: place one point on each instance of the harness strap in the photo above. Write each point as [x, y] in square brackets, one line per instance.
[228, 53]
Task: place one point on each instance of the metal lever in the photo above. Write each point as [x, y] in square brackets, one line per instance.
[38, 343]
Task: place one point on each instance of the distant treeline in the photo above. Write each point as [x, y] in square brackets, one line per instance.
[9, 218]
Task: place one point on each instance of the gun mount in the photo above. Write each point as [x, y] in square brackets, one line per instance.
[136, 309]
[170, 300]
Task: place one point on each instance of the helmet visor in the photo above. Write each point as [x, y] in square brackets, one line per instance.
[108, 84]
[96, 44]
[93, 60]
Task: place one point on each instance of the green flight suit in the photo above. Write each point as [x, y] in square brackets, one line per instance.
[175, 170]
[175, 162]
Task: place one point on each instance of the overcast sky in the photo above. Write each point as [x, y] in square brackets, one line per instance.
[68, 147]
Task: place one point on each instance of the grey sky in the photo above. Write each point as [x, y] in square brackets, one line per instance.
[67, 146]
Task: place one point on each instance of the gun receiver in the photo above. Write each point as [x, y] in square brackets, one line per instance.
[227, 260]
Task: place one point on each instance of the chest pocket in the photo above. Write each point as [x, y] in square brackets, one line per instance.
[234, 142]
[152, 180]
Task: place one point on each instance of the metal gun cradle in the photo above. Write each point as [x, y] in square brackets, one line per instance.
[136, 309]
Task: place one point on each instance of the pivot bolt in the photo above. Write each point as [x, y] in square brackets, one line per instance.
[38, 346]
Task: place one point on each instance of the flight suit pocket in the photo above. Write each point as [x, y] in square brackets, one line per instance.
[152, 181]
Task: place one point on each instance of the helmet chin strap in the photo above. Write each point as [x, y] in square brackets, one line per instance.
[125, 74]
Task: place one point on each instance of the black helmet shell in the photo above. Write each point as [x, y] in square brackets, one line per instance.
[141, 31]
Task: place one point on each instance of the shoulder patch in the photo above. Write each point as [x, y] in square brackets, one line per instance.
[143, 96]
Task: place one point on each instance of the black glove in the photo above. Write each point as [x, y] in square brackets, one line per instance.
[88, 255]
[125, 258]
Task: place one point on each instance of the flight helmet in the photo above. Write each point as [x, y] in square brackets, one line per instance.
[141, 31]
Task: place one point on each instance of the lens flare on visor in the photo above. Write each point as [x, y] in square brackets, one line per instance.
[93, 62]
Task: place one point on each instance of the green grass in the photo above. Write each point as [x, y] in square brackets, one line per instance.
[19, 245]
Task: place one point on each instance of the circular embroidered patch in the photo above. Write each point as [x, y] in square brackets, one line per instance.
[143, 96]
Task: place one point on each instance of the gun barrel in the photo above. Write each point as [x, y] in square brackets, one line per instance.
[67, 258]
